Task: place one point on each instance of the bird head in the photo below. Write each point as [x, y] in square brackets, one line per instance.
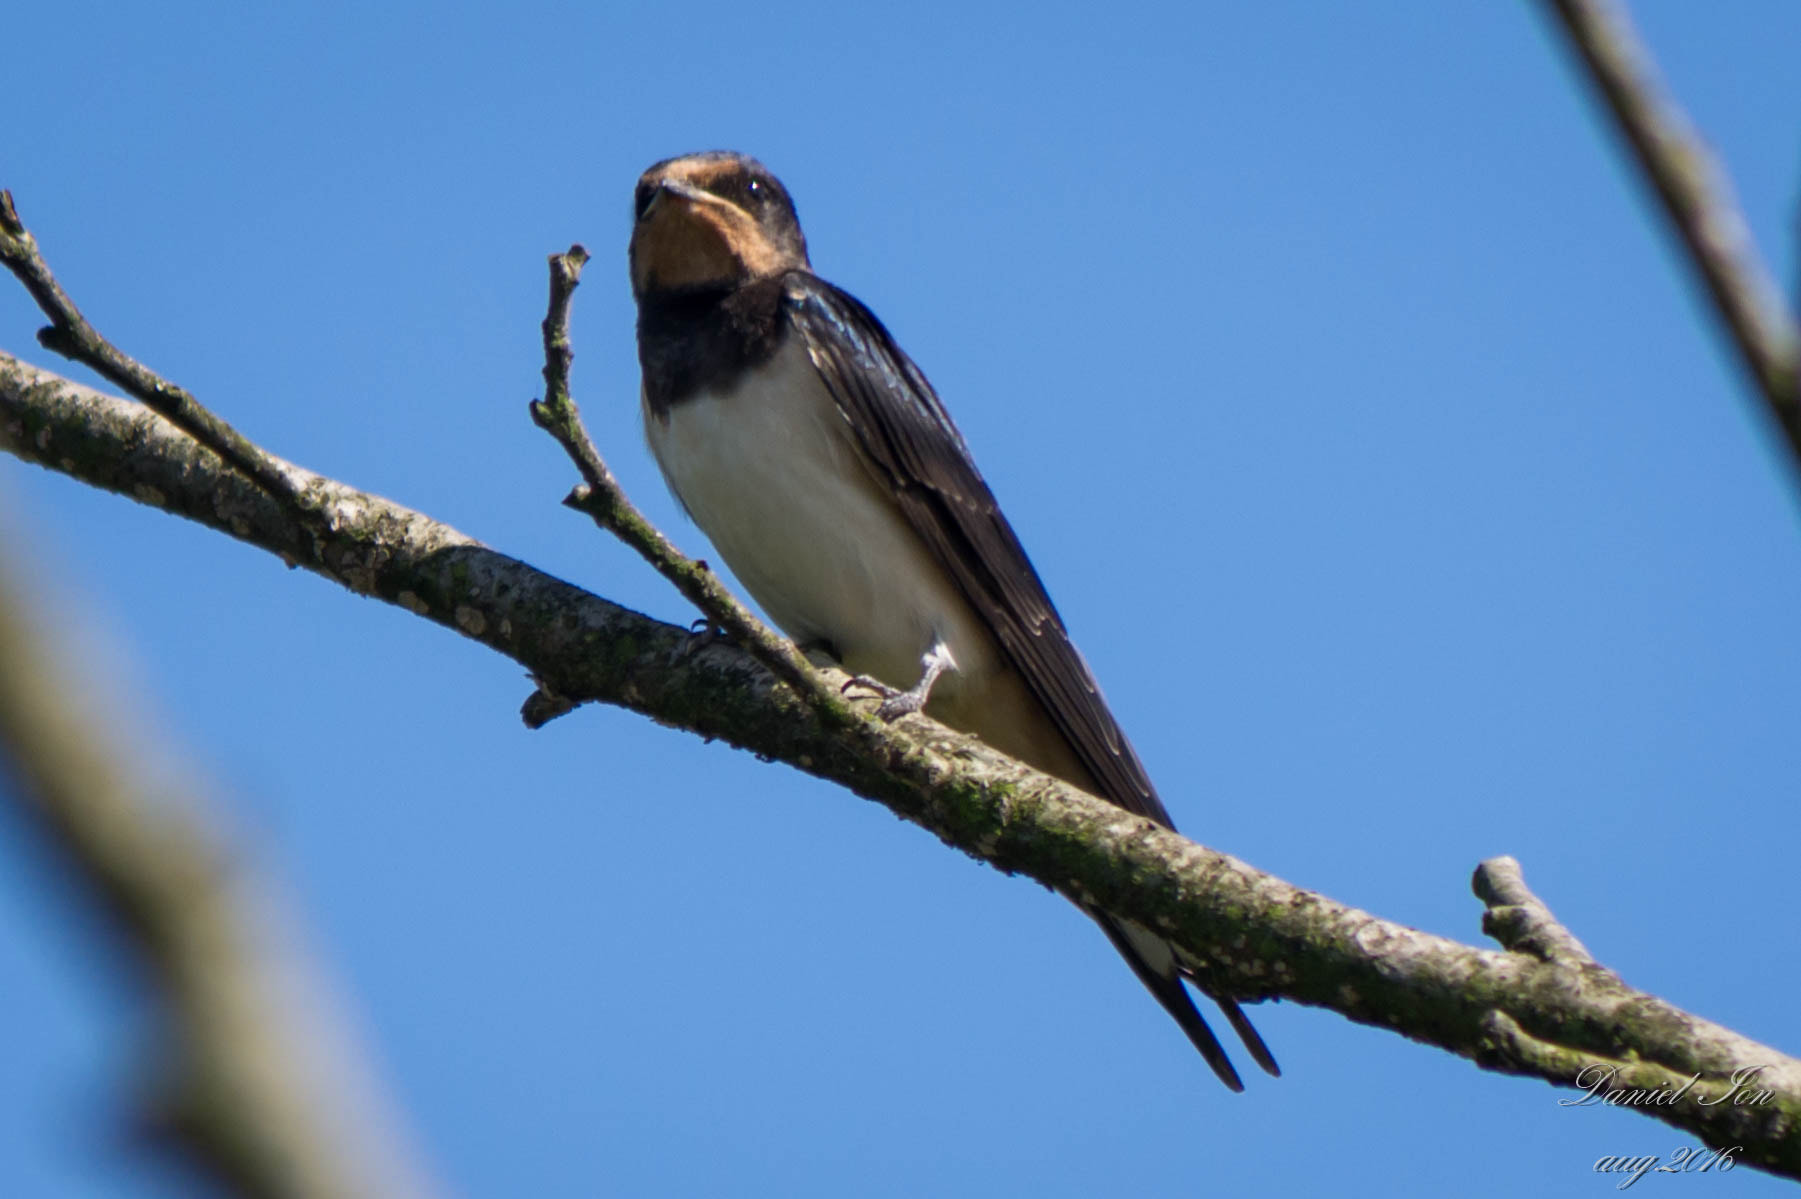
[709, 222]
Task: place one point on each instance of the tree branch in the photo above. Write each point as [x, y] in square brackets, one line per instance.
[249, 1081]
[70, 335]
[1263, 938]
[1548, 1014]
[1696, 197]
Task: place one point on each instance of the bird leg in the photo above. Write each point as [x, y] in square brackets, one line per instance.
[897, 703]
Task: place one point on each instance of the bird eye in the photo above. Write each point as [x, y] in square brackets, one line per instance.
[753, 188]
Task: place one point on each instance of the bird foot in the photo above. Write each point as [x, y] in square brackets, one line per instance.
[897, 703]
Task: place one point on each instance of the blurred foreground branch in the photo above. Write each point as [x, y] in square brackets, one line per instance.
[1697, 198]
[248, 1080]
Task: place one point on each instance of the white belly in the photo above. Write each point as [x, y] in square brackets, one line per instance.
[770, 474]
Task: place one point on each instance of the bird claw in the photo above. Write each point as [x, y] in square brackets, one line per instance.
[867, 683]
[895, 702]
[701, 634]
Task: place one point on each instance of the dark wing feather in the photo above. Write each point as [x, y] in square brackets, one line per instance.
[909, 438]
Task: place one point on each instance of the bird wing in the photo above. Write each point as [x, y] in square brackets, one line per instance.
[909, 440]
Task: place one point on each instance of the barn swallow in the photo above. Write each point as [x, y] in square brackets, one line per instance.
[828, 475]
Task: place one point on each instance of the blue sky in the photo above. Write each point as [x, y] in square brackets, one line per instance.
[1327, 360]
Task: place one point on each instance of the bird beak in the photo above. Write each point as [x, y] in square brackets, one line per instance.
[680, 191]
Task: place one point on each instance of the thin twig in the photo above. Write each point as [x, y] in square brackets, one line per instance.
[1697, 198]
[1519, 920]
[601, 497]
[70, 335]
[251, 1083]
